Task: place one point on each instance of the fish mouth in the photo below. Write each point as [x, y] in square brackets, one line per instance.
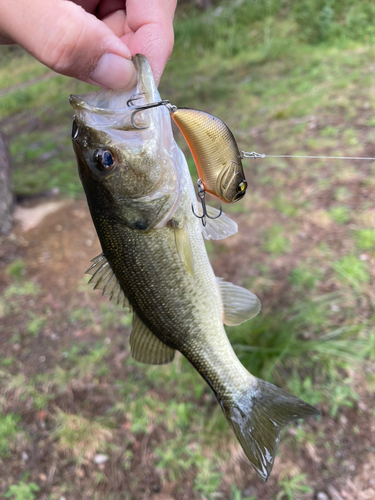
[113, 108]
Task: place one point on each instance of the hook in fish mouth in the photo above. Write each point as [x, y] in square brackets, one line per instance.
[202, 195]
[171, 108]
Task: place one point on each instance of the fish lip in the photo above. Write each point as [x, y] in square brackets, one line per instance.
[145, 86]
[79, 102]
[145, 81]
[112, 105]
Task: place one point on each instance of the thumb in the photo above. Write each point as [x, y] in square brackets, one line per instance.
[67, 39]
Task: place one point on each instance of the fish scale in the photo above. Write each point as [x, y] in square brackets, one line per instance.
[140, 196]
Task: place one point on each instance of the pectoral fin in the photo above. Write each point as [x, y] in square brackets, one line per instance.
[239, 304]
[183, 247]
[105, 279]
[146, 347]
[217, 229]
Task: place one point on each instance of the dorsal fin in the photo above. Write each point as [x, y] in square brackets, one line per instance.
[146, 347]
[217, 229]
[105, 279]
[239, 304]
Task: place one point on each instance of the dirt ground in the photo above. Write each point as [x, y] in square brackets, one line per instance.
[56, 252]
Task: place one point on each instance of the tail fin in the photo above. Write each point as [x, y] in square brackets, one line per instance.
[258, 417]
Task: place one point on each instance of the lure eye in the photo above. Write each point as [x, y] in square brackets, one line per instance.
[242, 186]
[104, 159]
[74, 130]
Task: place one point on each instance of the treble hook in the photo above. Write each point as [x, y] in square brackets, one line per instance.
[129, 102]
[201, 195]
[171, 108]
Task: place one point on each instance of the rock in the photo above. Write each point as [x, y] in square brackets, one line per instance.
[100, 459]
[322, 496]
[31, 217]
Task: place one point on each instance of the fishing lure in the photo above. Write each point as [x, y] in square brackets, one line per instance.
[214, 149]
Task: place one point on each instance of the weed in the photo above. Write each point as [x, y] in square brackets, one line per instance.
[114, 316]
[236, 494]
[175, 456]
[208, 480]
[35, 324]
[9, 430]
[274, 241]
[25, 389]
[22, 491]
[283, 205]
[7, 361]
[342, 193]
[293, 487]
[342, 395]
[58, 382]
[304, 278]
[16, 269]
[340, 214]
[87, 361]
[82, 315]
[79, 437]
[365, 239]
[18, 290]
[352, 271]
[273, 342]
[322, 20]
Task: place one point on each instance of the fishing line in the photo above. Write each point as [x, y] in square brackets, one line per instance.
[256, 155]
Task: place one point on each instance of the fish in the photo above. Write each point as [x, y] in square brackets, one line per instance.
[154, 261]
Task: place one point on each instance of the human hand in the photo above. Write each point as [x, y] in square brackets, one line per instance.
[92, 40]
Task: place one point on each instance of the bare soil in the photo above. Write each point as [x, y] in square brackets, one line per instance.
[56, 253]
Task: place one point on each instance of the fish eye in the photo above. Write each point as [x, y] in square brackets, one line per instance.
[75, 130]
[242, 186]
[104, 159]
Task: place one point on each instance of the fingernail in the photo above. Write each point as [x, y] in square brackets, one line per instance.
[114, 72]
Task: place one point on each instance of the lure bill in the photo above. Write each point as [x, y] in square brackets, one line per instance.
[140, 193]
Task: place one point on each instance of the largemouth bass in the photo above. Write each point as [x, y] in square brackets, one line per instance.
[140, 196]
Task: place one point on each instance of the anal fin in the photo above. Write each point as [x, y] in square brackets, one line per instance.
[146, 347]
[239, 304]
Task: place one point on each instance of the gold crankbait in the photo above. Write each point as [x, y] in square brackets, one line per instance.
[213, 147]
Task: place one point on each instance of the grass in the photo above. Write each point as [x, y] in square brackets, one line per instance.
[287, 78]
[80, 438]
[365, 239]
[352, 271]
[22, 491]
[274, 241]
[9, 430]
